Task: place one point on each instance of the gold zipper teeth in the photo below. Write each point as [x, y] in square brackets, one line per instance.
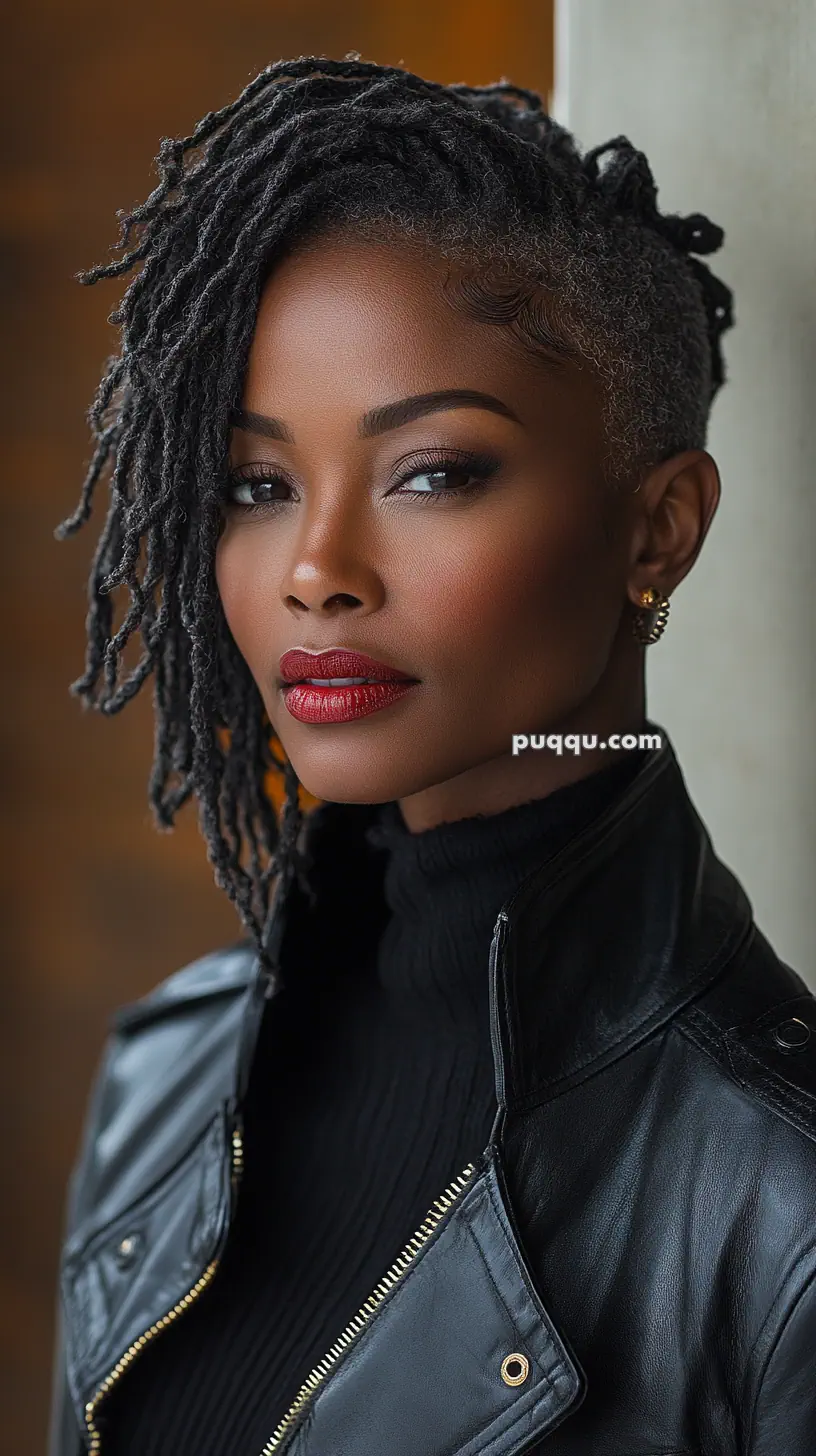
[237, 1157]
[356, 1326]
[325, 1365]
[138, 1345]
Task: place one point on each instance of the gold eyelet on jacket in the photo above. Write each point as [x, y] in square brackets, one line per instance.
[127, 1251]
[507, 1370]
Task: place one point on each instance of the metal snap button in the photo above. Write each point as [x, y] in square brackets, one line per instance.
[792, 1035]
[515, 1369]
[127, 1251]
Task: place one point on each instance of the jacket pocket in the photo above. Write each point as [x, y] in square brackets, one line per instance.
[128, 1274]
[462, 1360]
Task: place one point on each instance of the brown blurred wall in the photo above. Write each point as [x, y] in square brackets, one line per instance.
[98, 906]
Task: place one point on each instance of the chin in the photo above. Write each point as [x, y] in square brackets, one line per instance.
[350, 780]
[351, 774]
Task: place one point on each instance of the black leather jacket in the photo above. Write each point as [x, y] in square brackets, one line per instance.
[630, 1267]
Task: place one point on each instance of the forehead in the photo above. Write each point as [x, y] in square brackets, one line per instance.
[346, 318]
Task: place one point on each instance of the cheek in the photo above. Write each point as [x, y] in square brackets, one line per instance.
[241, 568]
[531, 606]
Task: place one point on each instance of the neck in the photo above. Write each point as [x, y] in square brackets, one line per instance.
[511, 778]
[444, 887]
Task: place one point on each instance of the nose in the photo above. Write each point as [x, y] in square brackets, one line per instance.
[333, 567]
[313, 596]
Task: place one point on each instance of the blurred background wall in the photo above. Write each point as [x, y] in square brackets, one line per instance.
[720, 94]
[98, 907]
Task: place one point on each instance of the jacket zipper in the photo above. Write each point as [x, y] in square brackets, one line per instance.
[496, 977]
[237, 1164]
[356, 1326]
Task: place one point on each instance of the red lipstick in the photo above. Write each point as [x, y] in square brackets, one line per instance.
[316, 686]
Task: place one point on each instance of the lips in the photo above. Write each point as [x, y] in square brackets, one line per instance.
[316, 686]
[298, 666]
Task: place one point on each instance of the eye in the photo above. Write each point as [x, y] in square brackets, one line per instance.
[257, 489]
[425, 482]
[435, 477]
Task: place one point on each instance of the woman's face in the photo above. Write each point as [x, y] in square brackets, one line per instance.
[473, 545]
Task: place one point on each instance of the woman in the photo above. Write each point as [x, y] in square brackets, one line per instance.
[497, 1134]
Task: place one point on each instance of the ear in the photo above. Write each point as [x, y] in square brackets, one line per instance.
[674, 506]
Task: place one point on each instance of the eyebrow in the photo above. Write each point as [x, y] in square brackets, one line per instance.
[383, 417]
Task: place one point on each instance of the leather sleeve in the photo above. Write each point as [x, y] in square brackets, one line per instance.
[785, 1413]
[64, 1438]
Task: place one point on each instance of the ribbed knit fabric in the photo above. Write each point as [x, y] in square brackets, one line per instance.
[372, 1088]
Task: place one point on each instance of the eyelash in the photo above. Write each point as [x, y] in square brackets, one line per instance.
[478, 466]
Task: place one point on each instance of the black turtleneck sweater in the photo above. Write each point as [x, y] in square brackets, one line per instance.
[372, 1088]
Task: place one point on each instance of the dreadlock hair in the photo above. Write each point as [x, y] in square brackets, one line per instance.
[570, 252]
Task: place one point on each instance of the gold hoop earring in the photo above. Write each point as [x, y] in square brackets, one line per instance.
[650, 619]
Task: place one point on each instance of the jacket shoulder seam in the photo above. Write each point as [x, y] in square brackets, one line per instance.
[220, 973]
[773, 1091]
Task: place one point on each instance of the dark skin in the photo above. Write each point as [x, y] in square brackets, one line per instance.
[511, 603]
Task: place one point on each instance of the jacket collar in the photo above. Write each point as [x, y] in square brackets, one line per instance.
[606, 941]
[598, 947]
